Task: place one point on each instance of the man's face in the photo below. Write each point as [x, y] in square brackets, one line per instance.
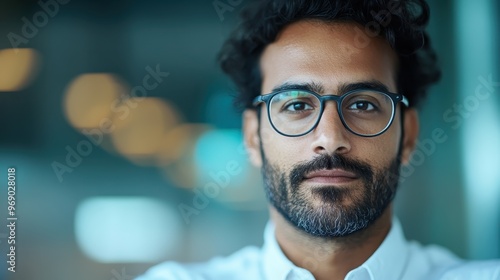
[329, 182]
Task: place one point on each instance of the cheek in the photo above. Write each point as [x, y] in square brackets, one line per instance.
[377, 151]
[381, 150]
[282, 151]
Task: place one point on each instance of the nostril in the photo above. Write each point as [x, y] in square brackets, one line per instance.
[330, 140]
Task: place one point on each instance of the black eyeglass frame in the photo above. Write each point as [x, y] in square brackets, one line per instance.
[395, 98]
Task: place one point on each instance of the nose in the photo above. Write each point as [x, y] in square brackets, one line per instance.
[330, 135]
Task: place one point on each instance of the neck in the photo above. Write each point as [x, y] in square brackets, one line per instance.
[330, 258]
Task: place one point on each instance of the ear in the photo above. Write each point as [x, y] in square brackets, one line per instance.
[251, 136]
[411, 126]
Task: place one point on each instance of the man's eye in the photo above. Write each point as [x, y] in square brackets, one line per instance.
[362, 106]
[297, 107]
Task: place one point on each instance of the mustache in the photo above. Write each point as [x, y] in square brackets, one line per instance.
[325, 161]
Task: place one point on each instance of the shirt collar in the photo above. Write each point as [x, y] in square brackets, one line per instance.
[276, 266]
[387, 262]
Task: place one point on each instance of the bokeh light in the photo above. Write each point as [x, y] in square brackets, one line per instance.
[223, 168]
[127, 229]
[218, 149]
[177, 155]
[141, 128]
[18, 68]
[177, 142]
[91, 99]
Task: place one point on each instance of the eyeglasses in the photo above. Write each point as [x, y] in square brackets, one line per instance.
[364, 112]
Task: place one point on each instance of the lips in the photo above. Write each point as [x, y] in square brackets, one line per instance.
[331, 176]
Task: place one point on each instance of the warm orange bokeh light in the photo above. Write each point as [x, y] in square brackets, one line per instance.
[18, 67]
[142, 125]
[91, 98]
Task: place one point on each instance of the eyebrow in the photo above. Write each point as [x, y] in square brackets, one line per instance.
[311, 86]
[341, 89]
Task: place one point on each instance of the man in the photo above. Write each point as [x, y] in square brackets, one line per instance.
[329, 90]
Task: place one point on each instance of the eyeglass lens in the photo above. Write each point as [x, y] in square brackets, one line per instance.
[364, 112]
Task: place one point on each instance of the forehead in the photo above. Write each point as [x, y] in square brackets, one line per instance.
[329, 54]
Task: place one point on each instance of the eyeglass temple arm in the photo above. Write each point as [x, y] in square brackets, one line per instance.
[405, 101]
[257, 100]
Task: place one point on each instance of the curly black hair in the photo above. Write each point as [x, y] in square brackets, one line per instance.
[401, 22]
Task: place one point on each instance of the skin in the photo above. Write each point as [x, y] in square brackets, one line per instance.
[325, 53]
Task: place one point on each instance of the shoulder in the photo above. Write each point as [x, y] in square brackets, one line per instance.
[243, 264]
[433, 255]
[441, 264]
[424, 261]
[434, 262]
[477, 270]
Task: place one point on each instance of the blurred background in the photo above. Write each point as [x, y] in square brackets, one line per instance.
[127, 150]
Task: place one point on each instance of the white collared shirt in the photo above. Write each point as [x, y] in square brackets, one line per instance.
[395, 259]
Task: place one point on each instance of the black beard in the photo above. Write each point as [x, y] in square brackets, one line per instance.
[331, 218]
